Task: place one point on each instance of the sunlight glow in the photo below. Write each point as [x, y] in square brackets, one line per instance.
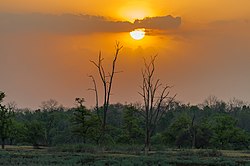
[138, 34]
[137, 14]
[136, 10]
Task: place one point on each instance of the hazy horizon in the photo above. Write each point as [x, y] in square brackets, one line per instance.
[203, 48]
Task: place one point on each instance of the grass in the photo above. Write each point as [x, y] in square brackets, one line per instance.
[119, 155]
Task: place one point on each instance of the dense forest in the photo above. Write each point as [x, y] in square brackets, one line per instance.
[212, 124]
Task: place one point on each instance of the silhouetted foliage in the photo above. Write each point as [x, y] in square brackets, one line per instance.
[132, 131]
[6, 115]
[84, 122]
[35, 133]
[182, 126]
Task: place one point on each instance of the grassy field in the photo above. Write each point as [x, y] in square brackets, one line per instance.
[121, 155]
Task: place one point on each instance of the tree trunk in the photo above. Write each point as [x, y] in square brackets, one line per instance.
[11, 141]
[104, 121]
[102, 136]
[46, 137]
[84, 137]
[3, 143]
[147, 141]
[36, 146]
[194, 139]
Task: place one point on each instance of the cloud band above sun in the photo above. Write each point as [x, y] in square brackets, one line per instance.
[70, 24]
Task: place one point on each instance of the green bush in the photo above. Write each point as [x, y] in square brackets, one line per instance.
[209, 153]
[83, 148]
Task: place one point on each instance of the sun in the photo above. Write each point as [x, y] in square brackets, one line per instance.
[138, 34]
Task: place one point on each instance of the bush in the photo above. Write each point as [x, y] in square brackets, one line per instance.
[209, 153]
[84, 148]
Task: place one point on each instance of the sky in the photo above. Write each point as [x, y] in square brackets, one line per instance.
[203, 48]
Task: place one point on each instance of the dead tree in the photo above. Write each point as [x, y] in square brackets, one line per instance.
[156, 100]
[107, 80]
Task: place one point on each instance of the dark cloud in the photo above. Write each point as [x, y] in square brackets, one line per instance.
[79, 24]
[161, 23]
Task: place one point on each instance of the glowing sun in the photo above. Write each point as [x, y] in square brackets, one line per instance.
[138, 34]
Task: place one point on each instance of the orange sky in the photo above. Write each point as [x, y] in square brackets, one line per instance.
[197, 10]
[208, 54]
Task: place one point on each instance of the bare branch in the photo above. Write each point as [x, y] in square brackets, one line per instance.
[154, 107]
[107, 80]
[96, 96]
[91, 89]
[94, 63]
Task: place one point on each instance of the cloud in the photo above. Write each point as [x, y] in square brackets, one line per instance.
[70, 24]
[160, 23]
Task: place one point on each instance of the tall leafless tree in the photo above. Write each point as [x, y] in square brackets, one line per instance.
[156, 100]
[107, 81]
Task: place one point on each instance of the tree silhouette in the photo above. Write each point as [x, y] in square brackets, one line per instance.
[156, 100]
[107, 81]
[48, 118]
[6, 115]
[2, 95]
[84, 120]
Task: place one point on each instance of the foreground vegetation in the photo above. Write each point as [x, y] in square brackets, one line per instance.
[123, 155]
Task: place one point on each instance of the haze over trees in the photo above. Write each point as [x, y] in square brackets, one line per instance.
[160, 120]
[211, 127]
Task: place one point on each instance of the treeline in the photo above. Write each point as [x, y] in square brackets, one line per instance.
[213, 124]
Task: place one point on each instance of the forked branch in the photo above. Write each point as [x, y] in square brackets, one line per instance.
[107, 81]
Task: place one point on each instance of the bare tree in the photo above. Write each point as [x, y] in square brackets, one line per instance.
[2, 95]
[211, 101]
[50, 105]
[12, 106]
[214, 103]
[235, 104]
[107, 80]
[156, 100]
